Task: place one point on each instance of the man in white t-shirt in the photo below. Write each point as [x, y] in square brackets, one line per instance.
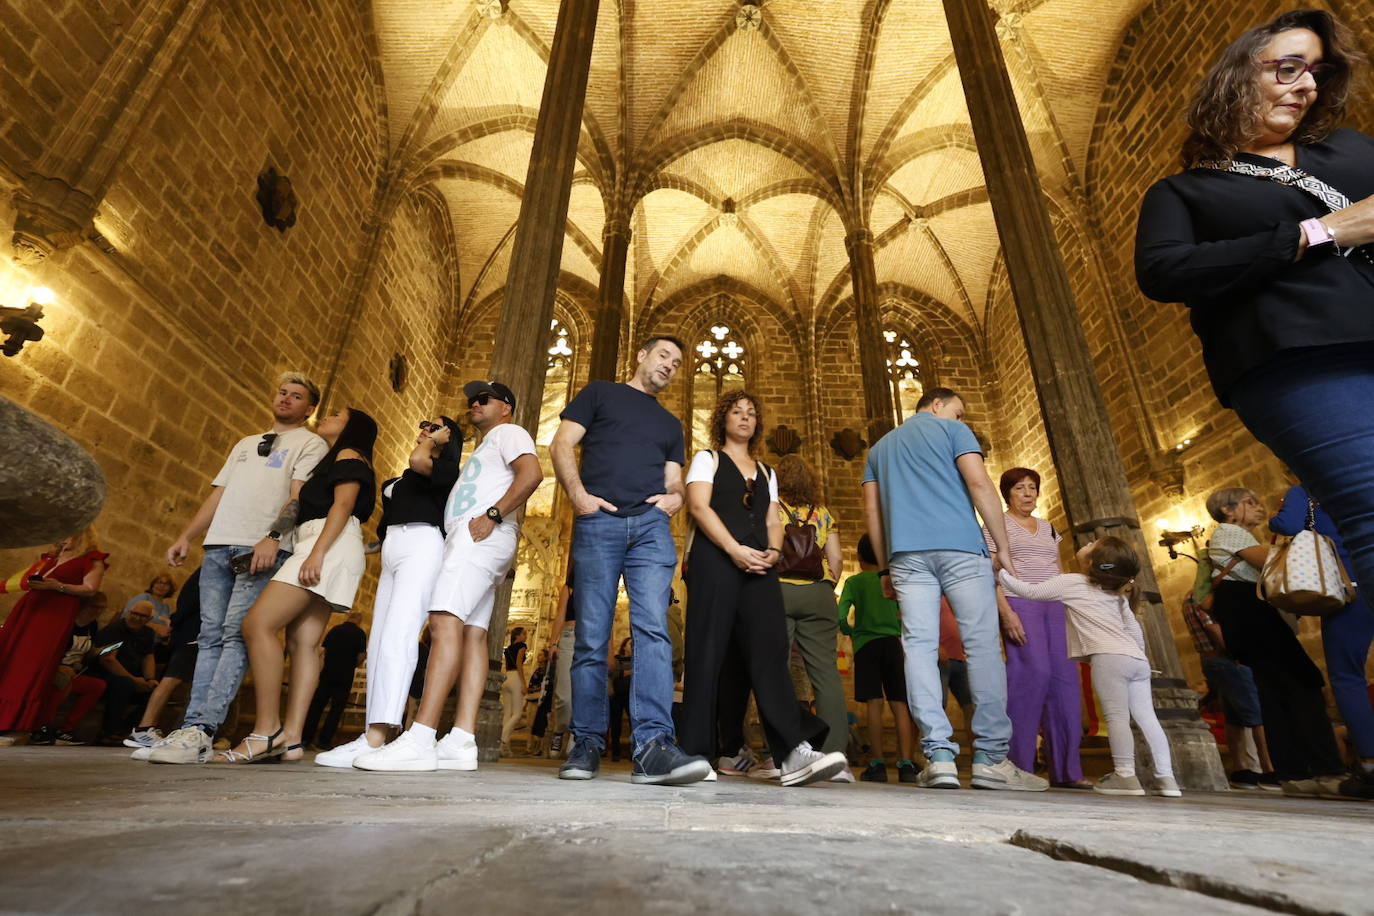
[247, 521]
[482, 521]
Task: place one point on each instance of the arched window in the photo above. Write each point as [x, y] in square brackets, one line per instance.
[718, 364]
[903, 372]
[557, 380]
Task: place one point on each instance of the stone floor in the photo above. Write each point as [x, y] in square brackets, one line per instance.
[86, 830]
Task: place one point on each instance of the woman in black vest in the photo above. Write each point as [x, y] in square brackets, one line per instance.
[733, 593]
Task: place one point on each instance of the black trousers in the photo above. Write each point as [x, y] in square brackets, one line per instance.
[119, 694]
[1296, 726]
[726, 605]
[334, 693]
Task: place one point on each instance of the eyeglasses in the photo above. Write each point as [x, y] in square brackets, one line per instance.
[265, 446]
[140, 616]
[429, 427]
[1288, 70]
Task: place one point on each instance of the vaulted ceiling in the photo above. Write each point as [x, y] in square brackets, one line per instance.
[741, 140]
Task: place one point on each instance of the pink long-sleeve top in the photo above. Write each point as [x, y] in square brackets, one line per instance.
[1100, 622]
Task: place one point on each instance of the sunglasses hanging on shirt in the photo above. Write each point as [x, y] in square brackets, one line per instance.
[265, 446]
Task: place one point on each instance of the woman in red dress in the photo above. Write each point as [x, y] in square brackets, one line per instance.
[39, 628]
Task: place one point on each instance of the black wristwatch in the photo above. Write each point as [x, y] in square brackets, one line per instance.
[883, 572]
[494, 514]
[274, 535]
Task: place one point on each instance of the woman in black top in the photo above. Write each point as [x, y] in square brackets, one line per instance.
[733, 593]
[412, 535]
[513, 689]
[1284, 312]
[321, 577]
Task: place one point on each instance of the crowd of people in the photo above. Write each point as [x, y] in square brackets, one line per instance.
[960, 588]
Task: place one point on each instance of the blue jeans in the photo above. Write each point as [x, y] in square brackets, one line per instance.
[1311, 407]
[920, 577]
[225, 598]
[1346, 636]
[642, 549]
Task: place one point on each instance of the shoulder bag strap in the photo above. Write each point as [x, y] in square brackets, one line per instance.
[1225, 570]
[1293, 177]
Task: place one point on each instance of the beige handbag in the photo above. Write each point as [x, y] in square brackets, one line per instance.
[1304, 574]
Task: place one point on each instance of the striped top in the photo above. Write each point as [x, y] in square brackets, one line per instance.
[1100, 623]
[1035, 556]
[1227, 541]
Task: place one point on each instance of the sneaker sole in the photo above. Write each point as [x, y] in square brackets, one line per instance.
[765, 774]
[195, 762]
[576, 773]
[1131, 792]
[1000, 786]
[711, 777]
[940, 782]
[1168, 793]
[404, 766]
[335, 765]
[821, 769]
[130, 742]
[1244, 787]
[684, 775]
[464, 765]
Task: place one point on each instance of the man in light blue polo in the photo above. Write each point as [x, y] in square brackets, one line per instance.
[921, 485]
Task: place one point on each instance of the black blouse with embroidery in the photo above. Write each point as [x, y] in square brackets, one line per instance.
[317, 495]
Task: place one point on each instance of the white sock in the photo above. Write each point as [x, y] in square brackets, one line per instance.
[1126, 772]
[465, 737]
[423, 734]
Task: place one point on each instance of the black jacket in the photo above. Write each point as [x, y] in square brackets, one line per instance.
[1224, 245]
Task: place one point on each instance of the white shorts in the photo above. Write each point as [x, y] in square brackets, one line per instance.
[343, 568]
[466, 587]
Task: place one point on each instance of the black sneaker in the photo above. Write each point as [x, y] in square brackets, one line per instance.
[45, 736]
[1359, 784]
[1244, 780]
[663, 763]
[876, 772]
[584, 760]
[1270, 782]
[67, 739]
[907, 772]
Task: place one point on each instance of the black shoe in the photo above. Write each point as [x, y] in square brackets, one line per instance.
[663, 763]
[45, 736]
[1244, 779]
[907, 772]
[1270, 782]
[67, 739]
[1359, 784]
[876, 772]
[584, 760]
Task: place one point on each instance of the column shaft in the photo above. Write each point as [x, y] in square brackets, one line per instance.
[868, 322]
[615, 250]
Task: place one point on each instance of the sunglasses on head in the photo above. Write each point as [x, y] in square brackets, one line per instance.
[265, 446]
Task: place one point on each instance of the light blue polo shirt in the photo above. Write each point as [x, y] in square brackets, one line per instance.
[925, 503]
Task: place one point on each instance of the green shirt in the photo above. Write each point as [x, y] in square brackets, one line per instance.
[875, 615]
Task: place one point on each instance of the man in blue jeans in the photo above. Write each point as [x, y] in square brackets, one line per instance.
[921, 485]
[628, 485]
[247, 521]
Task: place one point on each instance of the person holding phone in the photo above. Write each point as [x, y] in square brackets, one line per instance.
[247, 521]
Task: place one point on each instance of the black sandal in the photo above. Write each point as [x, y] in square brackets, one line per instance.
[270, 754]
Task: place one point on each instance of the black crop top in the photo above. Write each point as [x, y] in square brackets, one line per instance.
[317, 496]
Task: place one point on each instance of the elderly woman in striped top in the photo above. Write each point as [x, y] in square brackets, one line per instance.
[1103, 631]
[1042, 681]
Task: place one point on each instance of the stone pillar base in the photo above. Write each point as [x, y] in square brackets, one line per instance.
[1196, 759]
[490, 716]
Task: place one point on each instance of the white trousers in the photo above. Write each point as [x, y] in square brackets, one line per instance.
[513, 701]
[411, 555]
[1123, 688]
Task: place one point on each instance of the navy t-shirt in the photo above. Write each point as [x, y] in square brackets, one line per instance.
[630, 437]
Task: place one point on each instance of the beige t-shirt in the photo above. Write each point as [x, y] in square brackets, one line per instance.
[256, 486]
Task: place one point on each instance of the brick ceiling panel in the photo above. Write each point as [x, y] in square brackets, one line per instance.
[911, 258]
[746, 79]
[413, 37]
[831, 258]
[507, 152]
[785, 221]
[668, 217]
[492, 277]
[887, 211]
[912, 40]
[734, 168]
[575, 261]
[587, 211]
[936, 175]
[943, 105]
[482, 215]
[603, 103]
[502, 73]
[663, 40]
[726, 251]
[969, 237]
[806, 26]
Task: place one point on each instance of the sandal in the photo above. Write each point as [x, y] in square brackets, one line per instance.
[271, 753]
[292, 747]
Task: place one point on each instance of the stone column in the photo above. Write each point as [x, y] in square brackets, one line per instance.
[61, 191]
[1097, 496]
[532, 279]
[615, 249]
[868, 321]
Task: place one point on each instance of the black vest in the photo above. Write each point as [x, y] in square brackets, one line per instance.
[749, 525]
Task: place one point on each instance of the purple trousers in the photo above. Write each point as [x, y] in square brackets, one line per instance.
[1043, 693]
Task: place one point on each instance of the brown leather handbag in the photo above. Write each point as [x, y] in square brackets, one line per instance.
[801, 550]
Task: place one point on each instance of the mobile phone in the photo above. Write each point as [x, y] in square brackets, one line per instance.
[240, 564]
[36, 578]
[112, 647]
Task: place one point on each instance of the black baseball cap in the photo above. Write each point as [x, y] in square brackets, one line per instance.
[495, 389]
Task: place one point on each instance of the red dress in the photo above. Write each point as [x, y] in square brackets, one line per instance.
[34, 638]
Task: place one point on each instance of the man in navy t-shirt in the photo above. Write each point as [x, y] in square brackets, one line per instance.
[628, 485]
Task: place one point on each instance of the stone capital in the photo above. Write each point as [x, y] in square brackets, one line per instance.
[50, 216]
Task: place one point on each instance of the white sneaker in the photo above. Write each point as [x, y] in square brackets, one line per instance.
[939, 774]
[185, 745]
[1006, 776]
[1167, 786]
[144, 752]
[844, 775]
[344, 755]
[404, 755]
[455, 752]
[766, 769]
[1115, 784]
[711, 777]
[806, 764]
[143, 738]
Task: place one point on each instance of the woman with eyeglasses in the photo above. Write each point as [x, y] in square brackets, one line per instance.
[321, 576]
[1267, 239]
[412, 534]
[158, 593]
[733, 595]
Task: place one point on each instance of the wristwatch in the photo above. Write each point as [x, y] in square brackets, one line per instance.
[274, 535]
[1318, 234]
[494, 514]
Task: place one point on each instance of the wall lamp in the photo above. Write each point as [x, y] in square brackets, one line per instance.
[20, 325]
[1171, 539]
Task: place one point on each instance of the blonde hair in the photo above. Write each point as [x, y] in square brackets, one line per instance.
[83, 541]
[300, 378]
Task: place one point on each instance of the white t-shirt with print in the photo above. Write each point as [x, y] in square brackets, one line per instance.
[703, 470]
[256, 486]
[486, 475]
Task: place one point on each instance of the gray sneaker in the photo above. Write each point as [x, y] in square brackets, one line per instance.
[806, 764]
[939, 774]
[1113, 784]
[1006, 776]
[185, 745]
[1167, 786]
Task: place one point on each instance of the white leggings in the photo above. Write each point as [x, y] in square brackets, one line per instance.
[513, 700]
[410, 560]
[1123, 688]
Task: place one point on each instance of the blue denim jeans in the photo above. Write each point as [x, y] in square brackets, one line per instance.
[1311, 407]
[1346, 637]
[225, 598]
[920, 577]
[641, 548]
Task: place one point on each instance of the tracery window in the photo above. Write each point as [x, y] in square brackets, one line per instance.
[718, 364]
[903, 372]
[557, 378]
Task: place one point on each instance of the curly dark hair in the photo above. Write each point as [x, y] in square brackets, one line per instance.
[798, 484]
[1222, 115]
[727, 400]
